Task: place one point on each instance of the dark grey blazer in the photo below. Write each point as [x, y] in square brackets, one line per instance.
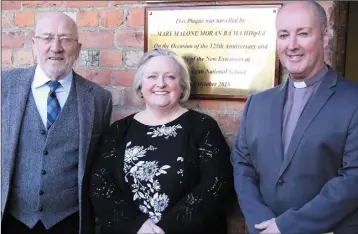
[94, 112]
[314, 187]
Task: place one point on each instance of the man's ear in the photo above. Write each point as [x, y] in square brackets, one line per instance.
[325, 37]
[34, 49]
[79, 50]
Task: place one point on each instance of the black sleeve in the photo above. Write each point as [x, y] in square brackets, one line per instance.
[110, 197]
[204, 203]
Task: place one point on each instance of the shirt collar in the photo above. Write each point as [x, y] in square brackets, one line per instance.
[40, 79]
[311, 81]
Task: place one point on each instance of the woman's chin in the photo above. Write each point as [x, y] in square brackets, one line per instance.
[161, 105]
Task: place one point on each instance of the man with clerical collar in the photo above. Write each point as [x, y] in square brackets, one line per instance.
[295, 158]
[52, 120]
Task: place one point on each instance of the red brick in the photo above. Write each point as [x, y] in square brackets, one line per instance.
[235, 105]
[328, 7]
[211, 104]
[12, 40]
[41, 4]
[239, 2]
[191, 104]
[111, 58]
[79, 4]
[342, 22]
[23, 57]
[7, 20]
[197, 3]
[10, 5]
[115, 3]
[101, 76]
[87, 18]
[120, 113]
[117, 95]
[25, 19]
[111, 18]
[6, 55]
[136, 17]
[129, 38]
[98, 39]
[230, 139]
[213, 114]
[229, 123]
[131, 58]
[28, 38]
[123, 78]
[131, 99]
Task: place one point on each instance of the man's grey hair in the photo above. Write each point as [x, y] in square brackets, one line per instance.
[183, 71]
[319, 10]
[321, 13]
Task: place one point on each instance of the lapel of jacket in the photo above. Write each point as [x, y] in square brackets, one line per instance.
[14, 108]
[276, 121]
[319, 99]
[85, 102]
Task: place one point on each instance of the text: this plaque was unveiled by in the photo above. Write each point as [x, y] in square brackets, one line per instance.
[231, 50]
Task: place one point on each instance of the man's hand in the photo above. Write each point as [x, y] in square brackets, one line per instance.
[149, 227]
[268, 226]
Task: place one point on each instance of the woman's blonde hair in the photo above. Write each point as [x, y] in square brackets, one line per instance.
[183, 71]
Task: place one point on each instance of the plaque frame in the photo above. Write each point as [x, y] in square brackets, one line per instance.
[277, 71]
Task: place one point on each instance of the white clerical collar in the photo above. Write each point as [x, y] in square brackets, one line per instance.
[311, 81]
[299, 84]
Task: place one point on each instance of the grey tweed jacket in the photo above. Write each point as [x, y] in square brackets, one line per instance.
[94, 113]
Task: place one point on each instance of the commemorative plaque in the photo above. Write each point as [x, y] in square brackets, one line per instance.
[231, 50]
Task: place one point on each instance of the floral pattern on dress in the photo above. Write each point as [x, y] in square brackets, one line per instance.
[164, 131]
[145, 186]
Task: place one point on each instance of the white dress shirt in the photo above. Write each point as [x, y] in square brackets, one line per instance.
[40, 91]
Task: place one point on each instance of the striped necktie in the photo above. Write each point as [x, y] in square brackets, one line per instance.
[53, 106]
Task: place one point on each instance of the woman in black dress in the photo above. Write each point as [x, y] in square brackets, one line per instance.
[165, 169]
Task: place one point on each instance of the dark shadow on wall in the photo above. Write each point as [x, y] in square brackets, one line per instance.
[351, 70]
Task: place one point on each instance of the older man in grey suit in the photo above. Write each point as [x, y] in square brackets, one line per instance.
[52, 119]
[296, 154]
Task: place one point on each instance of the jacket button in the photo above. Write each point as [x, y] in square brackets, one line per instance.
[43, 172]
[41, 209]
[280, 182]
[42, 132]
[45, 152]
[41, 192]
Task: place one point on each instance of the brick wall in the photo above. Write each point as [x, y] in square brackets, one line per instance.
[112, 37]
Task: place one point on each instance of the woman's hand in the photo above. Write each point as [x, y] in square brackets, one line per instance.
[157, 229]
[150, 228]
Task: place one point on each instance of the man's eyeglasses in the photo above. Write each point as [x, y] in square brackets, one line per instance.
[65, 41]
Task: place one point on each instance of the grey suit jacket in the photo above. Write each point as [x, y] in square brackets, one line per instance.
[94, 112]
[314, 187]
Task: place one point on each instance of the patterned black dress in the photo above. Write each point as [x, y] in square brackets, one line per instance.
[178, 174]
